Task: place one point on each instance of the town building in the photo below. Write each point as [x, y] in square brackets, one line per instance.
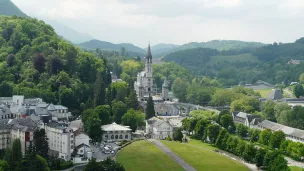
[11, 129]
[144, 85]
[158, 129]
[60, 139]
[292, 134]
[115, 132]
[294, 62]
[246, 119]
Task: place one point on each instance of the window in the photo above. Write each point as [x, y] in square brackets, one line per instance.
[106, 136]
[81, 151]
[126, 136]
[112, 137]
[116, 136]
[120, 136]
[72, 146]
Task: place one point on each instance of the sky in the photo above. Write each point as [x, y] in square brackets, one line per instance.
[175, 21]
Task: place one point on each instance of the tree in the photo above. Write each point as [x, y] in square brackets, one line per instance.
[6, 90]
[92, 127]
[104, 113]
[118, 109]
[4, 166]
[213, 132]
[249, 152]
[276, 139]
[150, 111]
[301, 78]
[134, 119]
[107, 164]
[200, 127]
[242, 130]
[222, 139]
[178, 135]
[254, 136]
[89, 104]
[240, 148]
[41, 143]
[259, 157]
[298, 90]
[39, 62]
[226, 121]
[99, 90]
[223, 112]
[132, 100]
[10, 59]
[245, 104]
[16, 151]
[179, 88]
[265, 136]
[86, 114]
[278, 163]
[268, 110]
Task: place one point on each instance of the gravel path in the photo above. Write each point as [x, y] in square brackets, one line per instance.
[172, 155]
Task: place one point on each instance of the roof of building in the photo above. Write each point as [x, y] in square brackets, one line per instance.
[24, 124]
[149, 55]
[156, 121]
[81, 145]
[279, 127]
[115, 127]
[51, 107]
[4, 110]
[60, 107]
[76, 124]
[4, 124]
[78, 132]
[165, 84]
[57, 125]
[275, 94]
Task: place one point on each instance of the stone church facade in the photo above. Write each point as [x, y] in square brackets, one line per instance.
[144, 85]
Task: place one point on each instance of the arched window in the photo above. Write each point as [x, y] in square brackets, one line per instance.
[116, 136]
[112, 137]
[106, 136]
[149, 89]
[120, 136]
[126, 136]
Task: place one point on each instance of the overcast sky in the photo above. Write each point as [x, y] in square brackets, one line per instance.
[175, 21]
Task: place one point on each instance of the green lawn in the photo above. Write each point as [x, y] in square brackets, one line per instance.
[144, 156]
[234, 58]
[204, 159]
[295, 168]
[264, 93]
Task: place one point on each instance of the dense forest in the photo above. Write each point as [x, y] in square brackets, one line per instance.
[233, 67]
[35, 62]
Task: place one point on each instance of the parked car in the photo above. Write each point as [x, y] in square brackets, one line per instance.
[118, 143]
[112, 152]
[110, 141]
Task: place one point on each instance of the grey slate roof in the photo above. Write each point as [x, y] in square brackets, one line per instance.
[24, 124]
[4, 110]
[4, 124]
[57, 125]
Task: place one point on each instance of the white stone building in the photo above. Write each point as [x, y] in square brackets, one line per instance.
[144, 85]
[158, 129]
[60, 139]
[81, 138]
[116, 132]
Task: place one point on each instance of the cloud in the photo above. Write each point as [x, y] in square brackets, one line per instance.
[175, 21]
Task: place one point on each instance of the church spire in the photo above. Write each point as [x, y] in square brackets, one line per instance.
[149, 55]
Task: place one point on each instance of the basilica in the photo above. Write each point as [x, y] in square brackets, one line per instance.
[144, 85]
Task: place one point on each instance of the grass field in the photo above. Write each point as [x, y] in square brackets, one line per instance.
[234, 58]
[264, 93]
[144, 156]
[204, 159]
[295, 168]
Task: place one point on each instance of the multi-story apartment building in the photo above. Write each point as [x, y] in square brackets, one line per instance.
[60, 139]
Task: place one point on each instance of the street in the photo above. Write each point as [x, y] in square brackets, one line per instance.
[99, 155]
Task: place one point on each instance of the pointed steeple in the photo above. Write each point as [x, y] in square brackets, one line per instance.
[149, 55]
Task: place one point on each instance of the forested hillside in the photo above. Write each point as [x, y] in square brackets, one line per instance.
[124, 48]
[160, 50]
[9, 8]
[222, 45]
[35, 62]
[232, 67]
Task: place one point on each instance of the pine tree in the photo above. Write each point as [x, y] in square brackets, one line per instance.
[99, 90]
[132, 101]
[109, 96]
[89, 104]
[150, 111]
[16, 151]
[41, 143]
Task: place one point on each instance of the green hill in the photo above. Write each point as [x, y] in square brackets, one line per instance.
[9, 8]
[36, 62]
[129, 48]
[221, 45]
[160, 50]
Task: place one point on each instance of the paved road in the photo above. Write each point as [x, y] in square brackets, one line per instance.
[172, 155]
[294, 163]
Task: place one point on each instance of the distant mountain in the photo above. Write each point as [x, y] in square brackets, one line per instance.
[68, 33]
[222, 45]
[8, 8]
[160, 50]
[130, 48]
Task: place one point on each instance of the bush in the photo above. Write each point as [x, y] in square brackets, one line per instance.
[66, 165]
[169, 138]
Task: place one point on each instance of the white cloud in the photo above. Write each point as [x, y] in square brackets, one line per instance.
[175, 21]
